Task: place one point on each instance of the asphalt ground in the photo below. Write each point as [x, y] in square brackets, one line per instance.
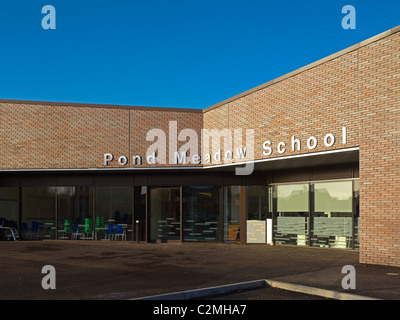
[102, 270]
[267, 293]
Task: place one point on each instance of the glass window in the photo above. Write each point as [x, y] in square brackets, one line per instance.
[292, 198]
[165, 214]
[232, 213]
[291, 219]
[256, 203]
[9, 210]
[38, 211]
[257, 214]
[140, 211]
[75, 213]
[356, 194]
[201, 213]
[113, 212]
[332, 223]
[333, 196]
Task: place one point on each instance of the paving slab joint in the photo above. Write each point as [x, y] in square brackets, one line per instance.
[330, 294]
[207, 292]
[225, 289]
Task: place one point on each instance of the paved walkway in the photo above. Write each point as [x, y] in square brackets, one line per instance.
[124, 270]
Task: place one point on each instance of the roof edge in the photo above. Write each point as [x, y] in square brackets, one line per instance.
[238, 96]
[92, 105]
[307, 67]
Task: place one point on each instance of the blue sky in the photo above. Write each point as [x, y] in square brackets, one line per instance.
[170, 53]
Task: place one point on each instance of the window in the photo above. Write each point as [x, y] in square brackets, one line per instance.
[232, 213]
[258, 223]
[113, 207]
[201, 213]
[9, 210]
[38, 211]
[292, 214]
[165, 217]
[75, 210]
[320, 214]
[332, 219]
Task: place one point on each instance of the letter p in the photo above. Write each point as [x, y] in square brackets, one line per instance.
[107, 158]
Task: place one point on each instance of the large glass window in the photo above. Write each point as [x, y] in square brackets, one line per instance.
[165, 222]
[201, 213]
[140, 212]
[232, 213]
[292, 214]
[9, 210]
[257, 215]
[38, 211]
[113, 213]
[320, 214]
[256, 203]
[332, 223]
[75, 213]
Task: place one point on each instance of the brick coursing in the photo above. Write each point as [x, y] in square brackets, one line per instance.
[315, 102]
[380, 152]
[359, 90]
[62, 137]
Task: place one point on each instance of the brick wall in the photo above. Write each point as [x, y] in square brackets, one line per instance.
[379, 151]
[316, 102]
[34, 136]
[143, 121]
[48, 136]
[358, 89]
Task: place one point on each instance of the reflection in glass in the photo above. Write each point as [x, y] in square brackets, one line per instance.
[140, 211]
[113, 208]
[165, 214]
[256, 203]
[356, 195]
[9, 211]
[333, 196]
[332, 220]
[256, 207]
[75, 213]
[38, 211]
[201, 213]
[232, 213]
[292, 214]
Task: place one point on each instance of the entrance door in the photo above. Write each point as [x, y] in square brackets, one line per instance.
[165, 215]
[232, 214]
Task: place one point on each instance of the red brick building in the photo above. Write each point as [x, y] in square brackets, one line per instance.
[321, 146]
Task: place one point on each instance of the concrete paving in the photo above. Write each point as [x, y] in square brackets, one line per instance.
[126, 270]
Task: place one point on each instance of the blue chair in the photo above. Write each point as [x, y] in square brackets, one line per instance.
[120, 232]
[110, 232]
[75, 233]
[35, 229]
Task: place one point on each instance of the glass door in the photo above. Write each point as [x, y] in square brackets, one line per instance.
[164, 214]
[232, 214]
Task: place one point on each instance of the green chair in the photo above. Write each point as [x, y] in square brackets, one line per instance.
[51, 228]
[100, 222]
[67, 226]
[88, 228]
[67, 229]
[100, 225]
